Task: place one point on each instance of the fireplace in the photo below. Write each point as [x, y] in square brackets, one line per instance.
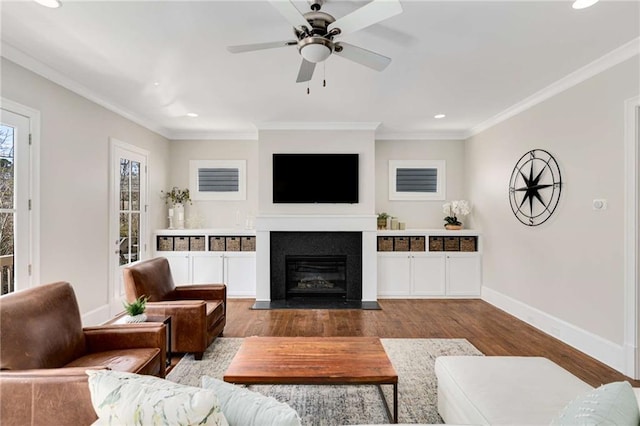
[323, 276]
[320, 265]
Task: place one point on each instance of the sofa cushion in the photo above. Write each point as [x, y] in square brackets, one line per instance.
[242, 407]
[503, 390]
[131, 399]
[610, 404]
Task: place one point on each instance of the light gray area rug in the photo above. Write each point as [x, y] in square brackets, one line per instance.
[413, 360]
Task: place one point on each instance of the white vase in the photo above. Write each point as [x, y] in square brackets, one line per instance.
[178, 215]
[136, 318]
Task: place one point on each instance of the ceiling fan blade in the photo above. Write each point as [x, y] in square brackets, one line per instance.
[362, 56]
[260, 46]
[369, 14]
[290, 12]
[306, 71]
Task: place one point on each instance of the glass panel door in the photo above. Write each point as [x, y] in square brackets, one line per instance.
[129, 210]
[14, 202]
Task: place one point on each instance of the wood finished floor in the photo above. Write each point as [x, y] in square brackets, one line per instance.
[489, 329]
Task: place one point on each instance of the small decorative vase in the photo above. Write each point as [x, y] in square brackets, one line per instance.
[453, 227]
[136, 318]
[382, 223]
[178, 215]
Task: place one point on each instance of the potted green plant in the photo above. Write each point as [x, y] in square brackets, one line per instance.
[135, 310]
[382, 220]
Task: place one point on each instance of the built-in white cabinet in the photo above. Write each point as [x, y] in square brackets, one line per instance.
[411, 274]
[202, 261]
[430, 270]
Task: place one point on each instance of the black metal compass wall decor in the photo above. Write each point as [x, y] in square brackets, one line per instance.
[534, 188]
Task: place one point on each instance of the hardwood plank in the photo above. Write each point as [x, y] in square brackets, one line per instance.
[491, 330]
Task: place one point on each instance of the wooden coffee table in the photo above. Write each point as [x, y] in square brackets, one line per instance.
[315, 361]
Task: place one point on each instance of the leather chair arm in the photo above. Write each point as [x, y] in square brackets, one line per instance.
[188, 322]
[127, 336]
[201, 292]
[57, 396]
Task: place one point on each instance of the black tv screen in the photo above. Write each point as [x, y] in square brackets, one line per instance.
[315, 178]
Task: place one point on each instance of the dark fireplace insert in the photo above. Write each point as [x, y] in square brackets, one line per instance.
[316, 276]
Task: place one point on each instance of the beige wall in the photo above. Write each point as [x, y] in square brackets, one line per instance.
[420, 214]
[74, 180]
[571, 267]
[216, 214]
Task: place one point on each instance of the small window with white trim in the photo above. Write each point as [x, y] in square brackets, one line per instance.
[417, 180]
[218, 179]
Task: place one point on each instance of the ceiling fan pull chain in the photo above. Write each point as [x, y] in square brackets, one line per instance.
[308, 88]
[324, 74]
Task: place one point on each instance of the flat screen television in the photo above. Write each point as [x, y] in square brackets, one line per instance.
[315, 178]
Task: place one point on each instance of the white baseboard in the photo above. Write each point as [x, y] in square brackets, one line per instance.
[96, 316]
[595, 346]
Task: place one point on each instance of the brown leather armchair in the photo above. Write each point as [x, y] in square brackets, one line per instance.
[45, 352]
[198, 312]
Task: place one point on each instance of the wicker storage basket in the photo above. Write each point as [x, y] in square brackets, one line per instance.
[451, 244]
[196, 243]
[385, 243]
[165, 243]
[181, 243]
[436, 243]
[416, 243]
[400, 243]
[248, 244]
[233, 243]
[468, 244]
[216, 243]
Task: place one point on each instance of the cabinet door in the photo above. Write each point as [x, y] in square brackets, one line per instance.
[240, 274]
[394, 274]
[206, 268]
[179, 264]
[428, 274]
[463, 274]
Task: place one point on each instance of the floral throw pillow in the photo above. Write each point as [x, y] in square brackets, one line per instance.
[130, 399]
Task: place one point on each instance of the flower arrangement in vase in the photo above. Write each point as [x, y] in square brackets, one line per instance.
[177, 197]
[453, 210]
[135, 310]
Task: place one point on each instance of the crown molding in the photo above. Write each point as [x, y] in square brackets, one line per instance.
[446, 135]
[302, 125]
[613, 58]
[19, 57]
[194, 135]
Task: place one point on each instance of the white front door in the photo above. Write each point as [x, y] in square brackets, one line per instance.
[15, 218]
[128, 212]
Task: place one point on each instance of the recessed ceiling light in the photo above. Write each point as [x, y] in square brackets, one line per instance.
[155, 83]
[192, 114]
[439, 116]
[50, 3]
[582, 4]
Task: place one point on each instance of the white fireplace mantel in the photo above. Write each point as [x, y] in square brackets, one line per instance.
[322, 223]
[265, 224]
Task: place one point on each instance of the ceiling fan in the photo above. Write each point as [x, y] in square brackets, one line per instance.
[315, 32]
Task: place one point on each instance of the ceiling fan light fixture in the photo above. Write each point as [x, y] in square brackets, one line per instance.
[315, 49]
[53, 4]
[583, 4]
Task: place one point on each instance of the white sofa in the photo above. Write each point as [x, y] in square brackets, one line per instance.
[497, 390]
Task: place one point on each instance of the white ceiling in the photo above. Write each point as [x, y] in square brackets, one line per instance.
[470, 60]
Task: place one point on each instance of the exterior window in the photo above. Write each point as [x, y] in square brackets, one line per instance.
[217, 179]
[417, 180]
